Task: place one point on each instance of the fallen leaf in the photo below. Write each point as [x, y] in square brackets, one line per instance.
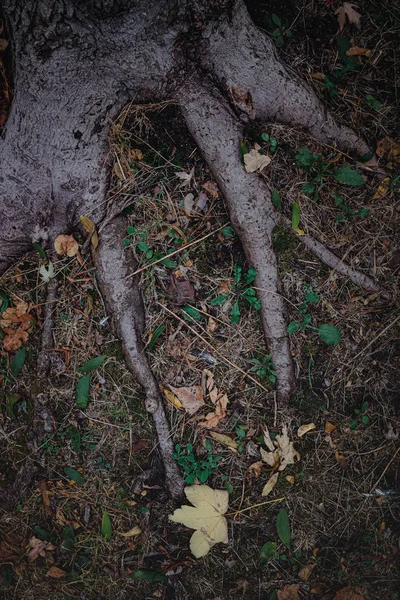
[119, 172]
[37, 548]
[306, 571]
[46, 496]
[207, 517]
[268, 441]
[202, 202]
[341, 460]
[188, 203]
[303, 429]
[3, 44]
[256, 468]
[12, 547]
[269, 486]
[383, 188]
[47, 273]
[14, 339]
[180, 290]
[388, 149]
[136, 154]
[55, 573]
[209, 379]
[211, 188]
[66, 244]
[211, 325]
[270, 458]
[289, 592]
[225, 440]
[170, 396]
[89, 226]
[329, 427]
[349, 593]
[357, 51]
[132, 532]
[290, 479]
[254, 161]
[190, 398]
[213, 418]
[347, 11]
[282, 451]
[185, 177]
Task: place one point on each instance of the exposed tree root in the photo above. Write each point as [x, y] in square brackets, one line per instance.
[124, 301]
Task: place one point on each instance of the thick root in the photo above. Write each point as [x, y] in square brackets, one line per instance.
[244, 59]
[217, 131]
[124, 302]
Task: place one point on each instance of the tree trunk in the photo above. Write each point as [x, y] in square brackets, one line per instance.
[76, 64]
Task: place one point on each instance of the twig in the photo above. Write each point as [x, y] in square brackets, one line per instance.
[176, 251]
[222, 357]
[376, 337]
[384, 470]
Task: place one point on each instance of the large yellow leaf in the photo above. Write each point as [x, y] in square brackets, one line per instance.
[207, 517]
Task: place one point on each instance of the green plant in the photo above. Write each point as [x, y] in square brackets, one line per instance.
[243, 291]
[196, 468]
[360, 417]
[280, 32]
[271, 141]
[328, 333]
[372, 102]
[321, 170]
[146, 251]
[240, 431]
[264, 368]
[347, 212]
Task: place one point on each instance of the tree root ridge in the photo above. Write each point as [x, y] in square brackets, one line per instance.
[124, 302]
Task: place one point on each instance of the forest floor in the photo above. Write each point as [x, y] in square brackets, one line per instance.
[85, 530]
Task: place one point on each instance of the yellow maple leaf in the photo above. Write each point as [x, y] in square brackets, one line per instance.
[206, 516]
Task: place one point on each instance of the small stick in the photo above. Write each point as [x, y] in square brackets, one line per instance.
[222, 357]
[384, 470]
[253, 506]
[176, 251]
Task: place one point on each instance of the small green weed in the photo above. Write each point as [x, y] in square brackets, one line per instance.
[264, 368]
[146, 251]
[281, 33]
[372, 102]
[328, 333]
[347, 212]
[361, 417]
[243, 291]
[196, 468]
[240, 431]
[271, 141]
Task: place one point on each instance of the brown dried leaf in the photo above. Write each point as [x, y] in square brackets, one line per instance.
[306, 571]
[254, 161]
[270, 458]
[289, 592]
[349, 593]
[389, 150]
[14, 339]
[213, 418]
[287, 453]
[256, 468]
[55, 573]
[303, 429]
[211, 188]
[347, 11]
[89, 226]
[191, 398]
[342, 460]
[225, 440]
[46, 495]
[329, 427]
[271, 483]
[37, 548]
[357, 51]
[136, 154]
[170, 396]
[132, 532]
[119, 172]
[290, 479]
[180, 290]
[66, 244]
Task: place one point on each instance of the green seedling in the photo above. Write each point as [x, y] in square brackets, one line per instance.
[347, 212]
[240, 431]
[145, 251]
[281, 33]
[271, 141]
[264, 368]
[243, 292]
[361, 417]
[372, 102]
[322, 170]
[196, 468]
[348, 65]
[328, 333]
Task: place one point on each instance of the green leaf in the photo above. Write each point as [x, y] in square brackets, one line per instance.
[283, 527]
[142, 246]
[75, 437]
[18, 362]
[68, 536]
[92, 364]
[366, 157]
[265, 137]
[363, 212]
[130, 230]
[155, 336]
[276, 20]
[235, 312]
[73, 474]
[295, 215]
[39, 250]
[276, 199]
[127, 242]
[219, 300]
[4, 301]
[250, 276]
[365, 419]
[329, 334]
[12, 401]
[237, 273]
[106, 526]
[190, 313]
[42, 534]
[312, 297]
[149, 576]
[254, 302]
[365, 406]
[169, 263]
[293, 327]
[349, 176]
[267, 552]
[308, 188]
[304, 157]
[82, 391]
[228, 232]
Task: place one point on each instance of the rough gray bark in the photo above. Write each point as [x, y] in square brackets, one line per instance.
[76, 65]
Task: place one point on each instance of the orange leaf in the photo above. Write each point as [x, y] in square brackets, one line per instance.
[66, 244]
[357, 51]
[289, 592]
[349, 593]
[55, 573]
[14, 339]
